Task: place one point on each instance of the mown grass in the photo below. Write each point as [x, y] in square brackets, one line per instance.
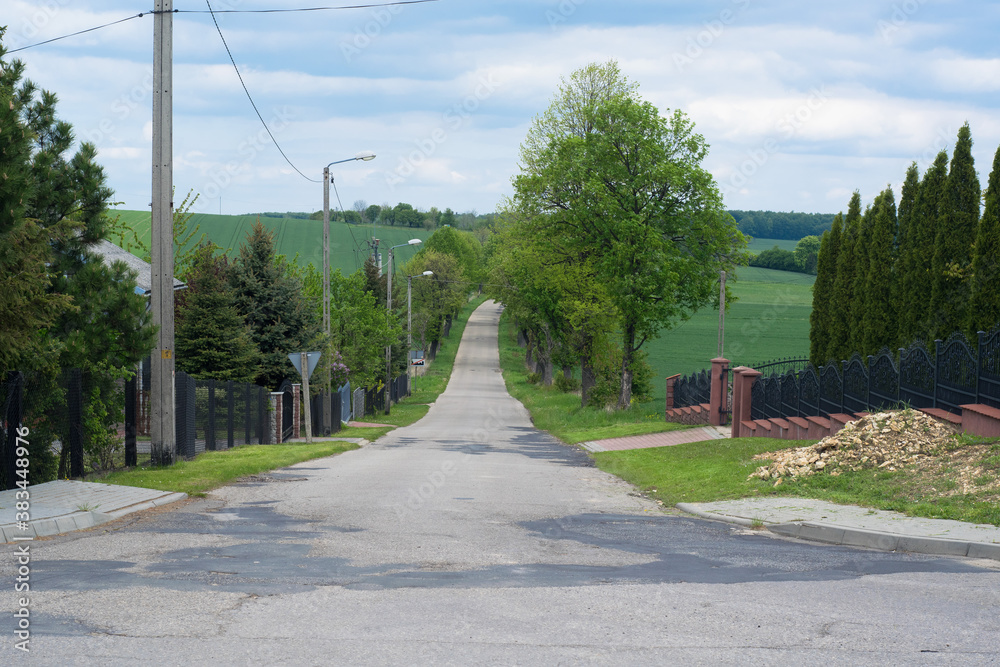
[560, 413]
[213, 469]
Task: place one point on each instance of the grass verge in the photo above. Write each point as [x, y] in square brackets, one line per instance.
[560, 413]
[701, 472]
[214, 469]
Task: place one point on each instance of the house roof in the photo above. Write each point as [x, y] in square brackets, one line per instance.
[109, 252]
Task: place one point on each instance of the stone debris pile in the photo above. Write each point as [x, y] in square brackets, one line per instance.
[887, 440]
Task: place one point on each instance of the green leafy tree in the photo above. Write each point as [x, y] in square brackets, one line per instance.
[359, 328]
[879, 321]
[927, 222]
[438, 298]
[625, 186]
[464, 247]
[822, 305]
[271, 299]
[859, 304]
[984, 309]
[952, 265]
[807, 253]
[213, 341]
[840, 344]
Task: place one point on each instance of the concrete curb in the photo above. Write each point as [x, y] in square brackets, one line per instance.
[859, 537]
[80, 520]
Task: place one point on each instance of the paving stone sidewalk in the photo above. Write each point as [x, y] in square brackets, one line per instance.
[66, 505]
[657, 439]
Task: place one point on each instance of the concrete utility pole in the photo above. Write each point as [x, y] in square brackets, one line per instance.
[163, 442]
[306, 397]
[722, 311]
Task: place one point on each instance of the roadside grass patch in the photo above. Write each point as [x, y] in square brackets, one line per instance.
[214, 469]
[560, 414]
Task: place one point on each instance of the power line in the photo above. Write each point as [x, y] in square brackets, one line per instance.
[56, 39]
[249, 97]
[301, 9]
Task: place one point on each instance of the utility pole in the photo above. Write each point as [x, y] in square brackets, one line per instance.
[722, 310]
[328, 352]
[163, 442]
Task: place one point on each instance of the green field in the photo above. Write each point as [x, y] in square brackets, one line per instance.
[770, 320]
[348, 243]
[757, 246]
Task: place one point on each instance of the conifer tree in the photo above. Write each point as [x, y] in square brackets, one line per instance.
[907, 257]
[839, 346]
[878, 321]
[952, 265]
[213, 341]
[822, 310]
[280, 318]
[925, 225]
[859, 302]
[984, 309]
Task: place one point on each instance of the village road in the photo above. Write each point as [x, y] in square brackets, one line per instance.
[472, 538]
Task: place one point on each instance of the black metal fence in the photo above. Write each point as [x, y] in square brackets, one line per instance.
[956, 373]
[693, 389]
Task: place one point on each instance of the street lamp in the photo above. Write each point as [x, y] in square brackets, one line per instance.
[388, 310]
[364, 156]
[409, 312]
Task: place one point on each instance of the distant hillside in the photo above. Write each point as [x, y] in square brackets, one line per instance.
[348, 243]
[776, 225]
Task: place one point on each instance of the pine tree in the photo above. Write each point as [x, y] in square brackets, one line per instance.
[907, 257]
[926, 223]
[955, 238]
[280, 318]
[213, 340]
[826, 275]
[843, 288]
[878, 321]
[984, 309]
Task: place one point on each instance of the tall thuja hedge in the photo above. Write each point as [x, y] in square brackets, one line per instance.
[823, 305]
[878, 324]
[952, 265]
[839, 345]
[908, 257]
[926, 223]
[984, 309]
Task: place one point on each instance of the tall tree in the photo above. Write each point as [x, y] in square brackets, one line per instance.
[859, 302]
[839, 345]
[822, 305]
[879, 320]
[627, 189]
[907, 256]
[956, 236]
[927, 222]
[213, 340]
[271, 300]
[984, 309]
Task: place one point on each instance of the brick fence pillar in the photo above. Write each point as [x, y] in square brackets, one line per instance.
[743, 379]
[719, 390]
[296, 407]
[671, 381]
[276, 416]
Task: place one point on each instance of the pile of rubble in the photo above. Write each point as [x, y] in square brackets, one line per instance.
[887, 440]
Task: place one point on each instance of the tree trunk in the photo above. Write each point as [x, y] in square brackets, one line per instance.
[522, 337]
[529, 350]
[588, 378]
[546, 359]
[568, 372]
[628, 354]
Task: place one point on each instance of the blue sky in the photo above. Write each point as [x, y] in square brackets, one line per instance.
[801, 103]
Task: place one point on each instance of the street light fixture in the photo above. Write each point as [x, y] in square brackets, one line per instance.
[364, 156]
[388, 311]
[409, 314]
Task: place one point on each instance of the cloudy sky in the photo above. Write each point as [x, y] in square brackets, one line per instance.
[801, 102]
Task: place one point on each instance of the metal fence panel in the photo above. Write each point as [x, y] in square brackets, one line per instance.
[956, 373]
[883, 381]
[989, 368]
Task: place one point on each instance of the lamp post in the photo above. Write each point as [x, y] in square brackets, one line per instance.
[409, 313]
[388, 312]
[365, 156]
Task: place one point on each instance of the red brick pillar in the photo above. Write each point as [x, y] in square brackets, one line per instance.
[276, 416]
[296, 406]
[671, 381]
[743, 379]
[720, 391]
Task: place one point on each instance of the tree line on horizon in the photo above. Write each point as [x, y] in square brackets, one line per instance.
[919, 270]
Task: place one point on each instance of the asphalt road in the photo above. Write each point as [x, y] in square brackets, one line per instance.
[472, 538]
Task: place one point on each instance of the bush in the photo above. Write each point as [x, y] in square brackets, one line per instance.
[567, 384]
[534, 378]
[608, 371]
